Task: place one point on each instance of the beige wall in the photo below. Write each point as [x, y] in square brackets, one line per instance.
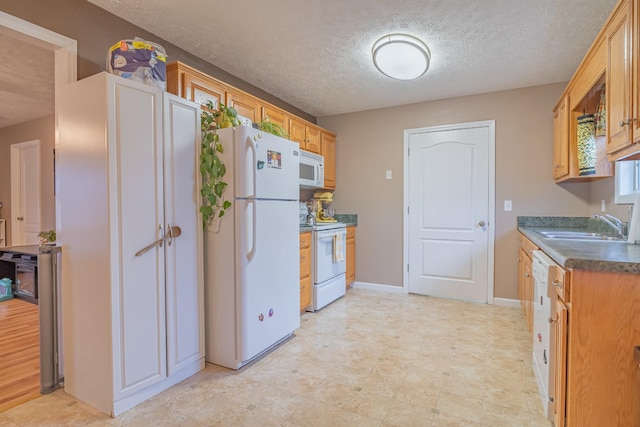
[41, 129]
[371, 142]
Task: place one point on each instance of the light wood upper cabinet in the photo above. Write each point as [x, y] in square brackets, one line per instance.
[582, 96]
[246, 105]
[187, 82]
[561, 139]
[618, 36]
[275, 115]
[194, 86]
[305, 134]
[329, 153]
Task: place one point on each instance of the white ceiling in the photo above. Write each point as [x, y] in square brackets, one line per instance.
[316, 55]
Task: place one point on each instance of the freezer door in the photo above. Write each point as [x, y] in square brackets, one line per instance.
[268, 271]
[266, 166]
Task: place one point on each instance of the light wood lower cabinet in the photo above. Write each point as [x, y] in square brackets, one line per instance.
[560, 323]
[305, 270]
[525, 279]
[351, 256]
[603, 326]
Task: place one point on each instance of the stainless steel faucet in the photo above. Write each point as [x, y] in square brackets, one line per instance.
[614, 222]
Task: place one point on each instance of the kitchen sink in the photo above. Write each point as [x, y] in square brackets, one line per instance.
[581, 235]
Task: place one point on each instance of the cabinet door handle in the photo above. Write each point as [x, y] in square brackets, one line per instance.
[151, 245]
[557, 283]
[20, 218]
[550, 320]
[627, 121]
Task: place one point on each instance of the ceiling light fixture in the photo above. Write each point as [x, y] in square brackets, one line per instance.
[401, 56]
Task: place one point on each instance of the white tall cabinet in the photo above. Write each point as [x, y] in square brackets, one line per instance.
[127, 174]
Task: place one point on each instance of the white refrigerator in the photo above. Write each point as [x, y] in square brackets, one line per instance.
[252, 269]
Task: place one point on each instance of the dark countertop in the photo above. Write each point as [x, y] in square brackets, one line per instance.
[350, 220]
[605, 255]
[27, 250]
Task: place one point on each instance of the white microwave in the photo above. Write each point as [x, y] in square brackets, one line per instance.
[311, 170]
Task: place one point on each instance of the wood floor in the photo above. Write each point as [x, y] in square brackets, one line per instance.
[19, 353]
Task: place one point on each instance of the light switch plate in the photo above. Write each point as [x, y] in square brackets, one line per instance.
[507, 206]
[389, 175]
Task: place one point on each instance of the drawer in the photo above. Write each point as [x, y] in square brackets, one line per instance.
[527, 245]
[305, 262]
[305, 240]
[351, 233]
[560, 281]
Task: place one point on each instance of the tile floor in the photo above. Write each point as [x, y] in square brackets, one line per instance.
[370, 359]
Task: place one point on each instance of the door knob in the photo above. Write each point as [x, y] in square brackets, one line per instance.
[482, 224]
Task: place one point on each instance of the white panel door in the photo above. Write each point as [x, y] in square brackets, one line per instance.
[25, 193]
[449, 213]
[268, 271]
[184, 277]
[137, 212]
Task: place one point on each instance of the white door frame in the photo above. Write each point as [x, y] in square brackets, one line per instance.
[491, 126]
[65, 52]
[17, 233]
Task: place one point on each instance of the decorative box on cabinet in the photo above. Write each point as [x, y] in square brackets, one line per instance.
[305, 270]
[127, 177]
[351, 256]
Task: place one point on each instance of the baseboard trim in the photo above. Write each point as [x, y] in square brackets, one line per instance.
[378, 287]
[506, 302]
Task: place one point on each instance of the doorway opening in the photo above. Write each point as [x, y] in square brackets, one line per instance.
[25, 338]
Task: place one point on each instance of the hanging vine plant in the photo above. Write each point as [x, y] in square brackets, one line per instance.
[212, 169]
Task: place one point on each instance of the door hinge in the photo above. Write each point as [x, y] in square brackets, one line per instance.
[407, 268]
[408, 151]
[407, 210]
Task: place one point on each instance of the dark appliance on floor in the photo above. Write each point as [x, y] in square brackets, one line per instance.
[22, 269]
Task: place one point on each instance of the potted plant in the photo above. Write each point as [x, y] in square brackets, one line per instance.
[212, 169]
[273, 128]
[47, 237]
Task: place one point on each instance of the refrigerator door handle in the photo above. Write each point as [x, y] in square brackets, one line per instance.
[252, 252]
[254, 171]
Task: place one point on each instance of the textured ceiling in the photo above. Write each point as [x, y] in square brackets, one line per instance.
[316, 55]
[26, 79]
